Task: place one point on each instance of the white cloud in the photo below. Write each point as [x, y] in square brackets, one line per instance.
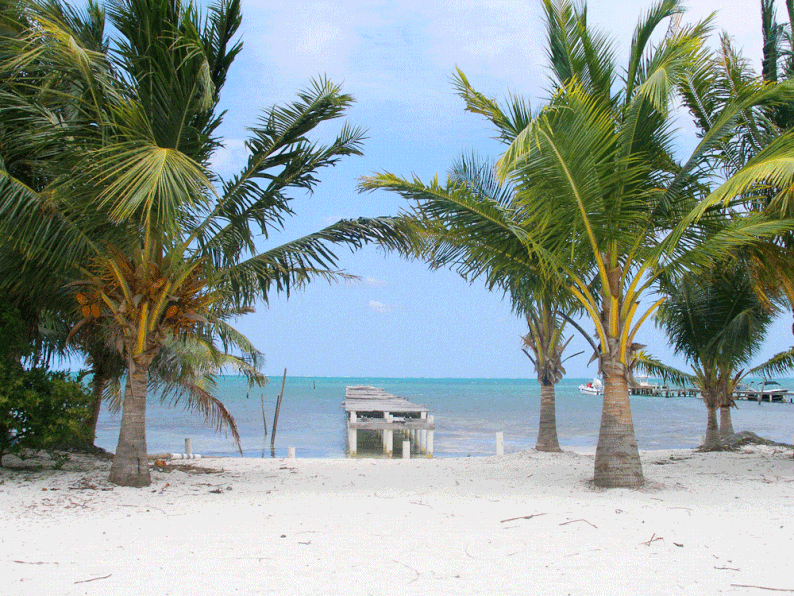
[393, 50]
[230, 158]
[329, 220]
[369, 282]
[380, 307]
[311, 37]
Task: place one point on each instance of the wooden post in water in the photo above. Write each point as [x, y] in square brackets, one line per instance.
[278, 409]
[264, 419]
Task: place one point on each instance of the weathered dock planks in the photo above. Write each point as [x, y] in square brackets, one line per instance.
[372, 408]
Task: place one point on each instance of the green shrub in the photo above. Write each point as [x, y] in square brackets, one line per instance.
[40, 410]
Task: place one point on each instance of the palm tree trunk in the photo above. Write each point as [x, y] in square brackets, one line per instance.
[547, 430]
[130, 464]
[712, 441]
[711, 399]
[726, 425]
[617, 458]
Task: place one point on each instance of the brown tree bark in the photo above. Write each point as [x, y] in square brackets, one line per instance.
[726, 425]
[547, 429]
[712, 441]
[617, 458]
[130, 463]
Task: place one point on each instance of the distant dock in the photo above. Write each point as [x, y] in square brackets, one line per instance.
[745, 392]
[371, 408]
[663, 391]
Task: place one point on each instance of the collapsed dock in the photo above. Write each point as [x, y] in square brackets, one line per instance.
[372, 408]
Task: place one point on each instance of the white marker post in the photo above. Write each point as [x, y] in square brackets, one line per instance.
[500, 443]
[352, 436]
[388, 436]
[430, 421]
[406, 450]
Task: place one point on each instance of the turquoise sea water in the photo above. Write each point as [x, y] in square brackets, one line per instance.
[467, 413]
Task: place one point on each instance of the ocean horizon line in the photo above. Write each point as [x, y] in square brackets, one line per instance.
[412, 378]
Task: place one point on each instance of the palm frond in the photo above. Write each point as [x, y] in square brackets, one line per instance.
[297, 262]
[578, 53]
[647, 24]
[653, 367]
[508, 123]
[780, 364]
[282, 158]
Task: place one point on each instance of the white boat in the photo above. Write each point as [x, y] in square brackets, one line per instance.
[763, 391]
[594, 387]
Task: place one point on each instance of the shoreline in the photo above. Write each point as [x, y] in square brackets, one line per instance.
[704, 523]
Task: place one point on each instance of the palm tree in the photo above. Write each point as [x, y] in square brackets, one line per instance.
[718, 322]
[724, 79]
[620, 196]
[158, 247]
[547, 344]
[607, 208]
[474, 225]
[778, 56]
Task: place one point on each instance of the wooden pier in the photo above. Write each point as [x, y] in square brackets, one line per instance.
[663, 391]
[371, 408]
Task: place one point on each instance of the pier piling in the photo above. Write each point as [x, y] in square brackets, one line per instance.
[372, 409]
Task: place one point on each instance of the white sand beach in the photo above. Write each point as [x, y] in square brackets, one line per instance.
[524, 523]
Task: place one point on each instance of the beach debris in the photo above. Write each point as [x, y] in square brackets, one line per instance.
[742, 439]
[654, 538]
[687, 509]
[218, 490]
[87, 484]
[526, 517]
[189, 469]
[409, 567]
[672, 459]
[763, 588]
[578, 520]
[92, 579]
[677, 544]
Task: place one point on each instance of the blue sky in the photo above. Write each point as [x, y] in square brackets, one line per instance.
[396, 59]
